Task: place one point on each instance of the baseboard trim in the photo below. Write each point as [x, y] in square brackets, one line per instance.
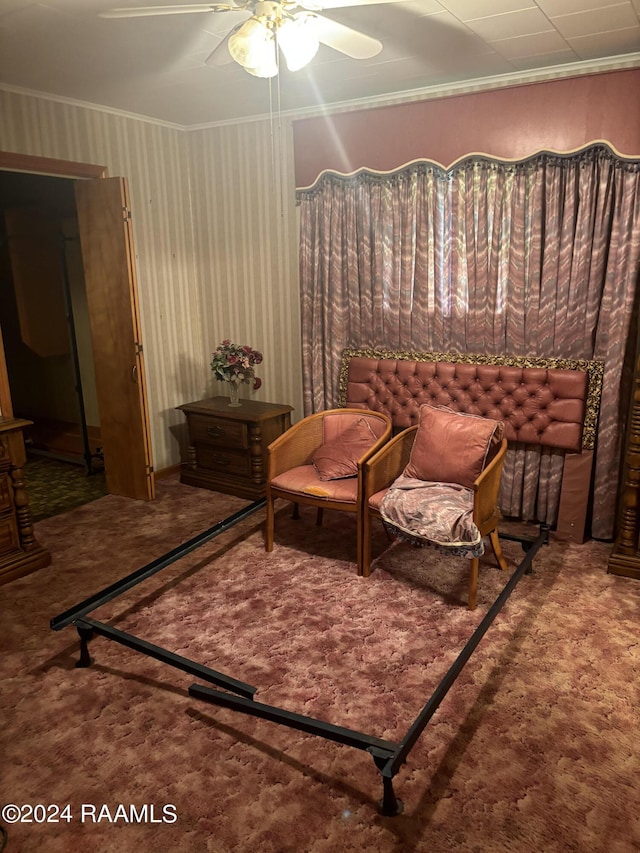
[163, 473]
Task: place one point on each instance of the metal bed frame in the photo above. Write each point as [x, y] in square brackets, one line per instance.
[388, 756]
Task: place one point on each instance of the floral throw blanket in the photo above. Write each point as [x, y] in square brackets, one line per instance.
[438, 514]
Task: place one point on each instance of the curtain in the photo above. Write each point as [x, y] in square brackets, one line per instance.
[539, 257]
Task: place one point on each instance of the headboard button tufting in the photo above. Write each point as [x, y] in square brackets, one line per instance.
[547, 404]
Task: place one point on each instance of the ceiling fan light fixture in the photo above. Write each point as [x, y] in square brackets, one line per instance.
[298, 40]
[253, 46]
[266, 69]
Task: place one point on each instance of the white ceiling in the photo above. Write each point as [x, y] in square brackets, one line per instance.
[155, 67]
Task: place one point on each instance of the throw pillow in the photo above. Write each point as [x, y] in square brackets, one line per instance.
[339, 457]
[451, 447]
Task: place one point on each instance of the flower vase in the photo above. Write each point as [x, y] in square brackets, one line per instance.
[234, 394]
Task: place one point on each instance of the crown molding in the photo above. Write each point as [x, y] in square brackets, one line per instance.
[481, 84]
[88, 105]
[463, 87]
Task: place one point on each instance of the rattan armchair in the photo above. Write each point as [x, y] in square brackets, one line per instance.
[293, 476]
[385, 466]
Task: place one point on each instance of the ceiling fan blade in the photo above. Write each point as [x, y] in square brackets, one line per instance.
[341, 4]
[355, 44]
[148, 11]
[220, 54]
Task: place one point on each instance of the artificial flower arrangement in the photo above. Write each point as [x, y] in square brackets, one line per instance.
[235, 363]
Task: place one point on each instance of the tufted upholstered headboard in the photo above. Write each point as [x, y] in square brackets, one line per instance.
[553, 402]
[545, 401]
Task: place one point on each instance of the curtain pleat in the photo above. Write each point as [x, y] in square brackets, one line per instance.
[539, 258]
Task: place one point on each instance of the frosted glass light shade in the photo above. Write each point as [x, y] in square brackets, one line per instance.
[298, 40]
[266, 69]
[253, 46]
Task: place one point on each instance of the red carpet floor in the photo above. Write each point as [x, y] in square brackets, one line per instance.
[533, 749]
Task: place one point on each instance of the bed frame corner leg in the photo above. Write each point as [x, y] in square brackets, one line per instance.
[389, 805]
[85, 658]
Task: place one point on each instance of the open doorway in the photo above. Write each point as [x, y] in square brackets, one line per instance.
[104, 223]
[47, 341]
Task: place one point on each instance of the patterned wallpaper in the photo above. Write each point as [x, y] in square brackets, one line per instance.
[216, 242]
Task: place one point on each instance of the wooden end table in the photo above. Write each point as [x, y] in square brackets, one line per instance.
[227, 446]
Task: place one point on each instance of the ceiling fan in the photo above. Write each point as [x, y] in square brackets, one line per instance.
[270, 26]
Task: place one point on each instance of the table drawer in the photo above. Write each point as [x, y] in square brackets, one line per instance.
[223, 461]
[204, 429]
[5, 492]
[9, 539]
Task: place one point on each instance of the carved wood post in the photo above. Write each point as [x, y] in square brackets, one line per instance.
[21, 553]
[625, 558]
[23, 510]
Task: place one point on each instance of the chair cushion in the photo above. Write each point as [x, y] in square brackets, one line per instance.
[339, 457]
[305, 480]
[376, 499]
[451, 447]
[426, 513]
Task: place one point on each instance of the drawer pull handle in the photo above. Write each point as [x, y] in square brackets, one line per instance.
[219, 459]
[215, 431]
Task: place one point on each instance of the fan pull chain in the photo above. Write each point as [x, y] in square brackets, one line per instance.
[271, 132]
[283, 169]
[277, 154]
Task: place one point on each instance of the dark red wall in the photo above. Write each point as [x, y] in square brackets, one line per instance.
[508, 123]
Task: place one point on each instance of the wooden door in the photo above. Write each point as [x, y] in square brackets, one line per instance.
[104, 221]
